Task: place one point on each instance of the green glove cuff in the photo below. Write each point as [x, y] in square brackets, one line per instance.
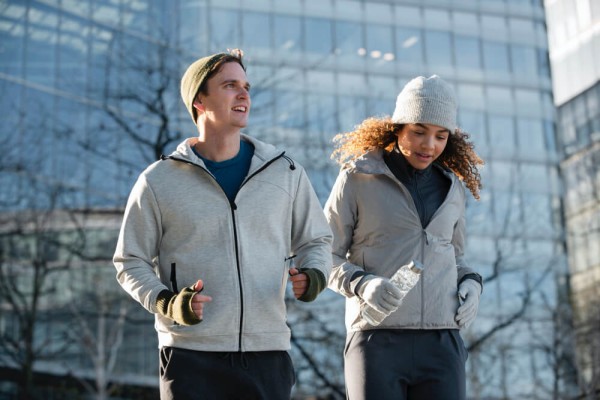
[177, 307]
[316, 284]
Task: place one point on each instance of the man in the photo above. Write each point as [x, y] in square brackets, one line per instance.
[207, 241]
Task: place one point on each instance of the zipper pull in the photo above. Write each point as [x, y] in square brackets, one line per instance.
[173, 279]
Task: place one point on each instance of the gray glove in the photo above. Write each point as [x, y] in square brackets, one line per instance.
[468, 296]
[380, 294]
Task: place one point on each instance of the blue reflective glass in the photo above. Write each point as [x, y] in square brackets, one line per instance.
[349, 38]
[524, 60]
[224, 29]
[379, 41]
[409, 46]
[495, 56]
[317, 35]
[468, 54]
[287, 33]
[256, 29]
[438, 48]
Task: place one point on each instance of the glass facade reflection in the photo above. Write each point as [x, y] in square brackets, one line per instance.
[90, 93]
[573, 36]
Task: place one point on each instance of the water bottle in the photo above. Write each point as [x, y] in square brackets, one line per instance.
[405, 278]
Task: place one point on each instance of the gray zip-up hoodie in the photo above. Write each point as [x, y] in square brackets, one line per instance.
[376, 229]
[178, 214]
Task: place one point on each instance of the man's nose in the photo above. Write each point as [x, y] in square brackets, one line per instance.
[245, 93]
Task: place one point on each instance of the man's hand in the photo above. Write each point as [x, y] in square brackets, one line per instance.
[299, 282]
[199, 299]
[380, 294]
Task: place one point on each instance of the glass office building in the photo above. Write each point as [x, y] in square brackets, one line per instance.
[574, 40]
[91, 96]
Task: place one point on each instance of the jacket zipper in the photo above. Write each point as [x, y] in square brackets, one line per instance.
[239, 274]
[422, 280]
[233, 208]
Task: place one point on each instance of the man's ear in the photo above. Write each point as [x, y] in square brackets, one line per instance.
[198, 105]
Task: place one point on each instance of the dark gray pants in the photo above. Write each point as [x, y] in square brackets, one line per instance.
[187, 375]
[405, 364]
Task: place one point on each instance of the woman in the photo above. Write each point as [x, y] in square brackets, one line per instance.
[400, 197]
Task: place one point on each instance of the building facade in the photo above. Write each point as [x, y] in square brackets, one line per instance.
[574, 48]
[90, 90]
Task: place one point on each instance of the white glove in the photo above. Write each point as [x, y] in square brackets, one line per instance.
[380, 294]
[468, 296]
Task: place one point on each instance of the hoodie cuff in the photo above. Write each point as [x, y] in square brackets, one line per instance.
[358, 279]
[316, 284]
[472, 275]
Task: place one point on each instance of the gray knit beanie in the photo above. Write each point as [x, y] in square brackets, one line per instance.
[427, 101]
[196, 74]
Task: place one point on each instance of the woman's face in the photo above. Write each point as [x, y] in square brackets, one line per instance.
[422, 144]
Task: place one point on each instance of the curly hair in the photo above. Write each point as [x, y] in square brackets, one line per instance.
[459, 156]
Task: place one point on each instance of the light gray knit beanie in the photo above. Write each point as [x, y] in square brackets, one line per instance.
[427, 101]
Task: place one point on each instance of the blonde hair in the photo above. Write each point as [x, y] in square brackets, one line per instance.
[459, 156]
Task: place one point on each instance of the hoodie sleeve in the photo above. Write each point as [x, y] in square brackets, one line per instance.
[458, 241]
[341, 214]
[137, 246]
[311, 237]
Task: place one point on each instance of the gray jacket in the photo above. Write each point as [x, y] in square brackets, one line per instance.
[178, 214]
[376, 229]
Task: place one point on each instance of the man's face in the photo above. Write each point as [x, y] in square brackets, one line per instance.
[227, 102]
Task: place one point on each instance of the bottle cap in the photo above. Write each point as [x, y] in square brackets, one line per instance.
[416, 266]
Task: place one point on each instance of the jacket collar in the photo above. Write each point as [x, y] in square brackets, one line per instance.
[374, 164]
[264, 152]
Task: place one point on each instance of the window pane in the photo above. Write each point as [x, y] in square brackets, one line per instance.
[12, 39]
[502, 136]
[493, 27]
[256, 31]
[534, 178]
[524, 61]
[349, 40]
[321, 118]
[538, 214]
[467, 52]
[287, 35]
[289, 109]
[379, 42]
[438, 18]
[465, 22]
[351, 111]
[225, 29]
[438, 49]
[507, 204]
[473, 122]
[317, 34]
[499, 99]
[471, 96]
[528, 102]
[409, 46]
[530, 133]
[495, 57]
